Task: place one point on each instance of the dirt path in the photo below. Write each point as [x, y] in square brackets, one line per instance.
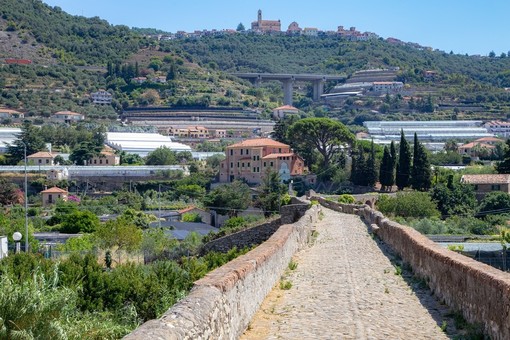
[345, 287]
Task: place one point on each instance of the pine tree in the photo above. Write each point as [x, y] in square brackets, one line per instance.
[29, 138]
[404, 163]
[371, 171]
[421, 178]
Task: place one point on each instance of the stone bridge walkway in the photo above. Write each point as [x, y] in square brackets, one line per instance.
[345, 287]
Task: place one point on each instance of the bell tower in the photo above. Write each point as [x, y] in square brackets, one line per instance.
[259, 17]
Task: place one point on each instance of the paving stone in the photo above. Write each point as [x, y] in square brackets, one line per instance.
[345, 287]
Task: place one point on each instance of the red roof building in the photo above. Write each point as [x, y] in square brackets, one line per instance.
[252, 158]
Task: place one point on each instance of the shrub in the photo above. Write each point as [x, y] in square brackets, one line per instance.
[411, 204]
[80, 222]
[191, 217]
[346, 198]
[429, 226]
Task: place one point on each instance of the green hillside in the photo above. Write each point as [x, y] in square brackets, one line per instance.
[74, 56]
[329, 54]
[70, 56]
[71, 39]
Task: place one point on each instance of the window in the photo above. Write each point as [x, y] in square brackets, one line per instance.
[242, 164]
[241, 151]
[258, 169]
[247, 151]
[100, 161]
[106, 161]
[95, 161]
[47, 161]
[254, 170]
[231, 164]
[476, 186]
[249, 164]
[496, 187]
[40, 161]
[265, 164]
[271, 164]
[279, 150]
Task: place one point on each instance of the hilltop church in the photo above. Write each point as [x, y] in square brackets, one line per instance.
[265, 25]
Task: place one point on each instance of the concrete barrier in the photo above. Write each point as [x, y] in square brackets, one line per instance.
[221, 305]
[479, 291]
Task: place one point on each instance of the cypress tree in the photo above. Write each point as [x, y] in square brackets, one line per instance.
[421, 174]
[393, 158]
[404, 163]
[358, 171]
[371, 171]
[385, 169]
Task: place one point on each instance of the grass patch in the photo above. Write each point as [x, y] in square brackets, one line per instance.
[292, 265]
[398, 270]
[285, 285]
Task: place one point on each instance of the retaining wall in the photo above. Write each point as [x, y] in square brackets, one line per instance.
[479, 291]
[244, 238]
[221, 305]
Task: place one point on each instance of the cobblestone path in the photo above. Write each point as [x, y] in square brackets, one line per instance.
[345, 287]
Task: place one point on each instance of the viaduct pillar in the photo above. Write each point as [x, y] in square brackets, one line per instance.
[287, 91]
[318, 89]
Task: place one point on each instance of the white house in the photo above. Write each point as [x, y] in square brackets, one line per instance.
[101, 97]
[388, 86]
[8, 113]
[68, 116]
[282, 111]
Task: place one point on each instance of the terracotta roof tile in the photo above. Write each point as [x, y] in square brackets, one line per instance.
[42, 154]
[54, 190]
[287, 107]
[258, 142]
[486, 179]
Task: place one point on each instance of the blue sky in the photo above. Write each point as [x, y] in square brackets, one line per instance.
[464, 26]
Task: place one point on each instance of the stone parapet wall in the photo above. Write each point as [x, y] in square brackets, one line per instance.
[221, 305]
[479, 291]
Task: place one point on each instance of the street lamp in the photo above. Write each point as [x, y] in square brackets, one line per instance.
[17, 237]
[26, 195]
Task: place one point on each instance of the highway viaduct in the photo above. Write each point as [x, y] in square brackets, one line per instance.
[287, 80]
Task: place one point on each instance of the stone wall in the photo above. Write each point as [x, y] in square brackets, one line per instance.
[256, 235]
[244, 238]
[480, 292]
[221, 305]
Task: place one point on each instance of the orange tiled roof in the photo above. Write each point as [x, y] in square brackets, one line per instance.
[287, 107]
[69, 113]
[276, 155]
[42, 154]
[486, 179]
[9, 111]
[258, 142]
[56, 190]
[473, 144]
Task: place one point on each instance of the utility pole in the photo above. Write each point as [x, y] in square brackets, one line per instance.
[159, 206]
[26, 196]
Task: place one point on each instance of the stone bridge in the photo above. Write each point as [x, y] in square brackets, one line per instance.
[287, 80]
[348, 284]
